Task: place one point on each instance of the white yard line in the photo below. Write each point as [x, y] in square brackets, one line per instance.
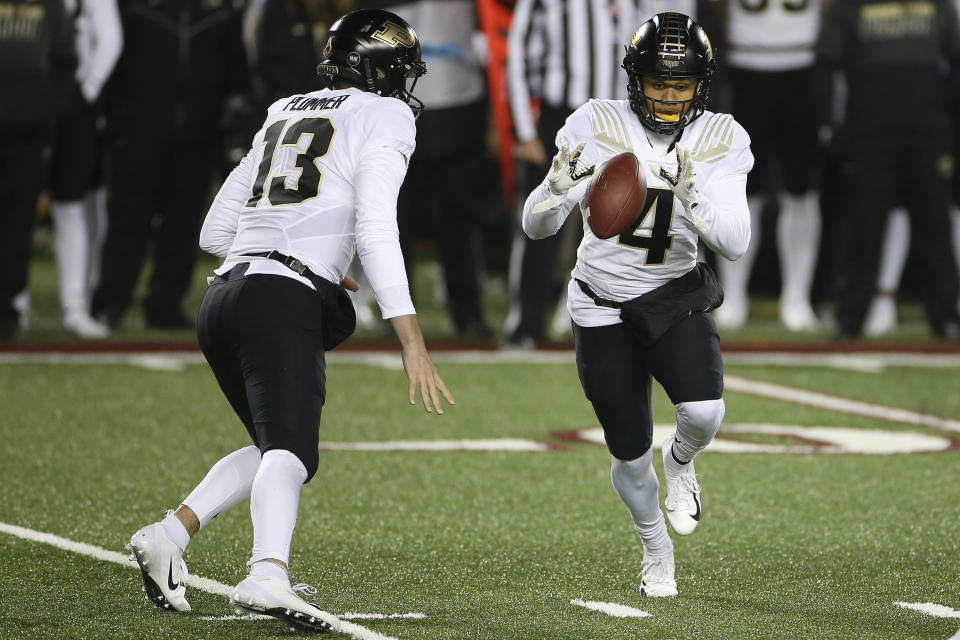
[342, 616]
[611, 608]
[204, 584]
[836, 403]
[931, 609]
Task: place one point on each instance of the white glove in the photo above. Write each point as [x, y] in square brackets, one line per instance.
[682, 182]
[564, 173]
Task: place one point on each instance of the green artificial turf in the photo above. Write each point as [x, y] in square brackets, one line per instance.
[487, 545]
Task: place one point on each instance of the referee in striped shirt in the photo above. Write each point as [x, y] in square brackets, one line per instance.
[560, 54]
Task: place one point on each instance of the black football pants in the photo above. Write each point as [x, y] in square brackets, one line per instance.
[616, 371]
[261, 335]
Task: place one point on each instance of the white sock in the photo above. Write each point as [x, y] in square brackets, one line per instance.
[896, 246]
[798, 243]
[176, 531]
[227, 484]
[697, 424]
[636, 483]
[735, 274]
[71, 249]
[274, 501]
[270, 570]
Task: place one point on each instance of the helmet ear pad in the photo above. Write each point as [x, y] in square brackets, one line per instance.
[671, 46]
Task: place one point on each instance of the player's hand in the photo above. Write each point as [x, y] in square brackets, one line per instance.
[349, 284]
[564, 172]
[422, 376]
[682, 182]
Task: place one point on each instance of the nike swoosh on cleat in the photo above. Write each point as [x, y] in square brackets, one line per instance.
[696, 501]
[173, 585]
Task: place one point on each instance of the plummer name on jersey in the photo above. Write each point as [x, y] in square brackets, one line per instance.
[302, 103]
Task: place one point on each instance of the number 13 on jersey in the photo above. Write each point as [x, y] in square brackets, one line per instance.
[311, 137]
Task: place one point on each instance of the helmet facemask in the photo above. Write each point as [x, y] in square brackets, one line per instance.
[657, 115]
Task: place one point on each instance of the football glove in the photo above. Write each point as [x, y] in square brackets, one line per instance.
[564, 173]
[682, 182]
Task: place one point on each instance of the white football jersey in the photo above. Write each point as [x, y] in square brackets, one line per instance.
[662, 245]
[772, 35]
[320, 183]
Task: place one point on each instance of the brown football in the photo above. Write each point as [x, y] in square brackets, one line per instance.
[616, 195]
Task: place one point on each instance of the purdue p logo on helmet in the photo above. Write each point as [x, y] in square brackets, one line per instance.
[377, 51]
[670, 46]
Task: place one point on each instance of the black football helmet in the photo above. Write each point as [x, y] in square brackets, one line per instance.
[669, 45]
[365, 41]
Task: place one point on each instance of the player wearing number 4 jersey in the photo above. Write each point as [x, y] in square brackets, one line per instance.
[639, 301]
[319, 183]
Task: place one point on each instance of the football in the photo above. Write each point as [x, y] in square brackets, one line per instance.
[615, 195]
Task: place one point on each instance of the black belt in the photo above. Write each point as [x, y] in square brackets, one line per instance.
[291, 263]
[603, 302]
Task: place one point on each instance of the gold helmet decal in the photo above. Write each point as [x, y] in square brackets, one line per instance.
[706, 40]
[394, 34]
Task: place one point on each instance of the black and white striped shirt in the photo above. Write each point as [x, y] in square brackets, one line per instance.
[564, 52]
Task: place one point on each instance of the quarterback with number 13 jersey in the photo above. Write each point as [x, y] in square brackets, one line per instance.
[310, 144]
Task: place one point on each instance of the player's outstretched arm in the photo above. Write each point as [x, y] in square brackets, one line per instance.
[422, 375]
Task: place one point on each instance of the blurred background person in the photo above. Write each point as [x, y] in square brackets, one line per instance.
[77, 196]
[289, 39]
[37, 63]
[445, 191]
[182, 68]
[770, 54]
[889, 155]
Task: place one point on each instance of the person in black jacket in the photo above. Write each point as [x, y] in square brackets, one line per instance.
[37, 62]
[901, 62]
[182, 65]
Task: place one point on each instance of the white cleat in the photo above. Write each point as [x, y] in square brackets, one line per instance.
[162, 567]
[275, 597]
[83, 325]
[658, 578]
[682, 504]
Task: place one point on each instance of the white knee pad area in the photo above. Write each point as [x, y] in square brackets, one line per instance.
[697, 424]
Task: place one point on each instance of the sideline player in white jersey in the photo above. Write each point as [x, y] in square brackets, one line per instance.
[320, 182]
[770, 63]
[639, 301]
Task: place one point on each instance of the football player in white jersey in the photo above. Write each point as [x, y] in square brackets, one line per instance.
[319, 184]
[770, 64]
[639, 301]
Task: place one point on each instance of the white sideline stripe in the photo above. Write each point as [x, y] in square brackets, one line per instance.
[611, 608]
[204, 584]
[931, 609]
[835, 403]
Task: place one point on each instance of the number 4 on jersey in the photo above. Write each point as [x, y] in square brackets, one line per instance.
[320, 132]
[657, 239]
